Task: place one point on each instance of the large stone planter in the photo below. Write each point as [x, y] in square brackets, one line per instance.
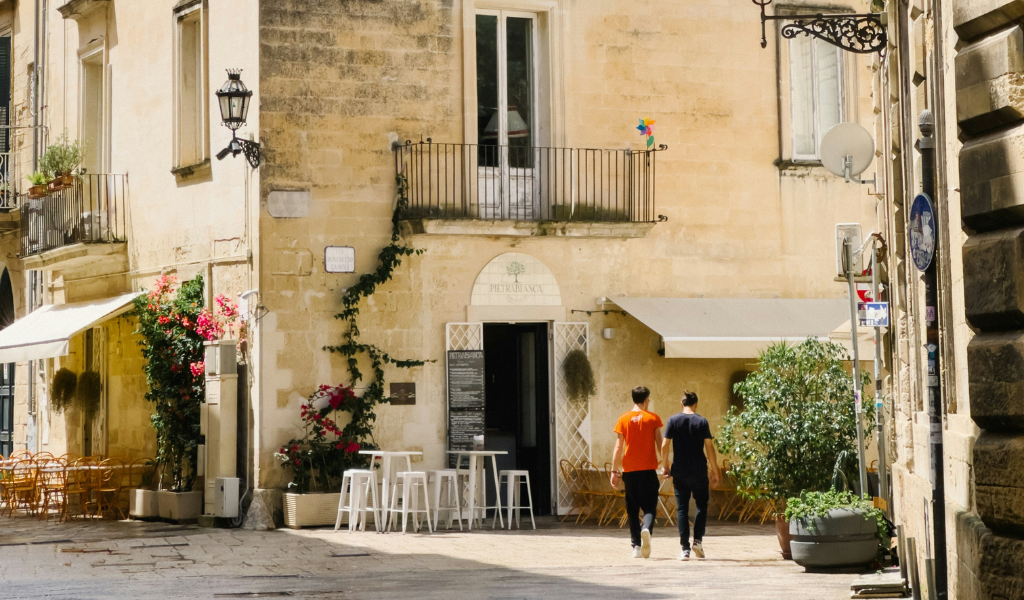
[183, 507]
[143, 504]
[310, 510]
[843, 538]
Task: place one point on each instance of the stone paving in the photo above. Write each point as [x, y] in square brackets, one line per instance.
[159, 560]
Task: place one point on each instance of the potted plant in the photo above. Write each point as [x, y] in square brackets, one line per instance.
[60, 160]
[318, 458]
[38, 187]
[834, 529]
[144, 501]
[797, 417]
[579, 376]
[173, 351]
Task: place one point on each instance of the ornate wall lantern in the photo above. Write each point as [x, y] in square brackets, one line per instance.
[233, 98]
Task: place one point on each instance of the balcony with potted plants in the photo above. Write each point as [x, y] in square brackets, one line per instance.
[71, 218]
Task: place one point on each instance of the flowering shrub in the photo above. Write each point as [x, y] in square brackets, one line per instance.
[223, 319]
[173, 350]
[318, 459]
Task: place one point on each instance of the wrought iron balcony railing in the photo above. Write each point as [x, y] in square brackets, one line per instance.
[90, 210]
[8, 181]
[524, 183]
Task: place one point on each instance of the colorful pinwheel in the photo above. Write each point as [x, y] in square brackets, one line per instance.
[646, 128]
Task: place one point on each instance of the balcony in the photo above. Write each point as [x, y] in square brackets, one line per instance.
[527, 191]
[82, 224]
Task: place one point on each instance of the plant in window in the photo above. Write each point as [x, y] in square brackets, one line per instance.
[62, 389]
[579, 376]
[38, 178]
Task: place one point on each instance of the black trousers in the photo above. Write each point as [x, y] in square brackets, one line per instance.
[700, 491]
[641, 495]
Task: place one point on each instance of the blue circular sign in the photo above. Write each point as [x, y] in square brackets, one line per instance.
[922, 231]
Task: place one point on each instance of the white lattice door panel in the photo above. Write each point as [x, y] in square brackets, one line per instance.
[572, 419]
[465, 336]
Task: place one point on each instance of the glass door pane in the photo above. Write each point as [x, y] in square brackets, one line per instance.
[519, 90]
[488, 118]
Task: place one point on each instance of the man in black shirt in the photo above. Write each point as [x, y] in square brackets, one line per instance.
[690, 436]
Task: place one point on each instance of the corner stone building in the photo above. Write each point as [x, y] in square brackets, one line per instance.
[964, 61]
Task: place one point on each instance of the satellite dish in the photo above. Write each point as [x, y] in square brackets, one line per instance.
[847, 150]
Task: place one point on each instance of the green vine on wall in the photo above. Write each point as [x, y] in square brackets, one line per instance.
[390, 257]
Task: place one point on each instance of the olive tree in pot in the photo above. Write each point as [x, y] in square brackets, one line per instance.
[797, 417]
[834, 529]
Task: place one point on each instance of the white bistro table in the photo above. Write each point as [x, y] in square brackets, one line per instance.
[477, 473]
[385, 468]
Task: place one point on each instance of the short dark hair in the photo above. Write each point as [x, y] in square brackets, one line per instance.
[640, 393]
[690, 398]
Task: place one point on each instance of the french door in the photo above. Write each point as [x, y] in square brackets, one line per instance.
[506, 76]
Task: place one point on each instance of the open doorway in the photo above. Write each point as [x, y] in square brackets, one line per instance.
[517, 417]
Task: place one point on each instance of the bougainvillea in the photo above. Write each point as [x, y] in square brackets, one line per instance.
[173, 349]
[318, 458]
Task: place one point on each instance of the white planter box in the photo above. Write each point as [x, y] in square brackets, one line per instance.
[310, 510]
[143, 504]
[182, 507]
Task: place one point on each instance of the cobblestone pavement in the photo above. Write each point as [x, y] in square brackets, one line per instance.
[158, 560]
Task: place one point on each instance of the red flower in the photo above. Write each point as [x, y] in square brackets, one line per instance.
[352, 447]
[295, 448]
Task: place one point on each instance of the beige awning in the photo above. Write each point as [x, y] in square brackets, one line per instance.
[737, 327]
[45, 332]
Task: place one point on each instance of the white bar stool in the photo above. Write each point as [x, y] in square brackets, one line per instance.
[514, 481]
[447, 480]
[410, 481]
[356, 486]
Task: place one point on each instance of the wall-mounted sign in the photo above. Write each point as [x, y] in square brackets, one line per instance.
[465, 379]
[515, 279]
[922, 231]
[340, 259]
[873, 314]
[403, 394]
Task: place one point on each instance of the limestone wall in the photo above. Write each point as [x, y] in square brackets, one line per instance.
[343, 81]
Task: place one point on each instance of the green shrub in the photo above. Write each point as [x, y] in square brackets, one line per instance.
[809, 505]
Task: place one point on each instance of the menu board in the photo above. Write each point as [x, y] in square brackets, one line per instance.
[465, 379]
[463, 427]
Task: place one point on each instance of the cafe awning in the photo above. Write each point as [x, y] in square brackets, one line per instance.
[736, 327]
[45, 332]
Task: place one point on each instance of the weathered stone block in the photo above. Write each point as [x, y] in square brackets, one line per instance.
[992, 180]
[995, 363]
[974, 18]
[990, 82]
[997, 562]
[994, 280]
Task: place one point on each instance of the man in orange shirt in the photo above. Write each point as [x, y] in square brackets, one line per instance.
[635, 462]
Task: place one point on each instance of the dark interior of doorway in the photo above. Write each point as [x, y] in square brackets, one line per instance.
[517, 403]
[6, 370]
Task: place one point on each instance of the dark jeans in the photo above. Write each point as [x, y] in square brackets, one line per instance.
[641, 494]
[700, 492]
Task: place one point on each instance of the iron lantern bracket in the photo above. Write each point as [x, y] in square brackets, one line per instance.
[862, 33]
[237, 146]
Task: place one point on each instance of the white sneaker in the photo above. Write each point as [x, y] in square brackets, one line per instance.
[637, 553]
[698, 549]
[684, 554]
[645, 543]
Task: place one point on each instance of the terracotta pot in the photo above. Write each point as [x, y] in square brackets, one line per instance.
[37, 191]
[67, 180]
[782, 531]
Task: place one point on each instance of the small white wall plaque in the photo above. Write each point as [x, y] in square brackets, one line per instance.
[340, 259]
[284, 204]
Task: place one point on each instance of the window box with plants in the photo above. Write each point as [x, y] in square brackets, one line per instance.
[797, 426]
[38, 187]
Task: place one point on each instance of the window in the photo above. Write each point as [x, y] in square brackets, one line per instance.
[816, 92]
[93, 112]
[191, 107]
[506, 87]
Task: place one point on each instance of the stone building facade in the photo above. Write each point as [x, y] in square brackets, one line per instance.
[545, 223]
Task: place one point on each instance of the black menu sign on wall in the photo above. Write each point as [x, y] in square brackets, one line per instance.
[465, 400]
[465, 379]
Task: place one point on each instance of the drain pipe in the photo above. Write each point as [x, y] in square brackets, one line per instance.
[927, 145]
[32, 438]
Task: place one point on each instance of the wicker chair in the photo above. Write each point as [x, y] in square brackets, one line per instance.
[20, 488]
[107, 494]
[52, 486]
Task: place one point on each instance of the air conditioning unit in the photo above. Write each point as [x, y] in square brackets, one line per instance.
[225, 497]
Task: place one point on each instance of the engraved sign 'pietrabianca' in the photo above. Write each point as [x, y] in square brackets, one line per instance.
[516, 279]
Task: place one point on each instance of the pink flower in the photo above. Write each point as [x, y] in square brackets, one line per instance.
[352, 447]
[198, 368]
